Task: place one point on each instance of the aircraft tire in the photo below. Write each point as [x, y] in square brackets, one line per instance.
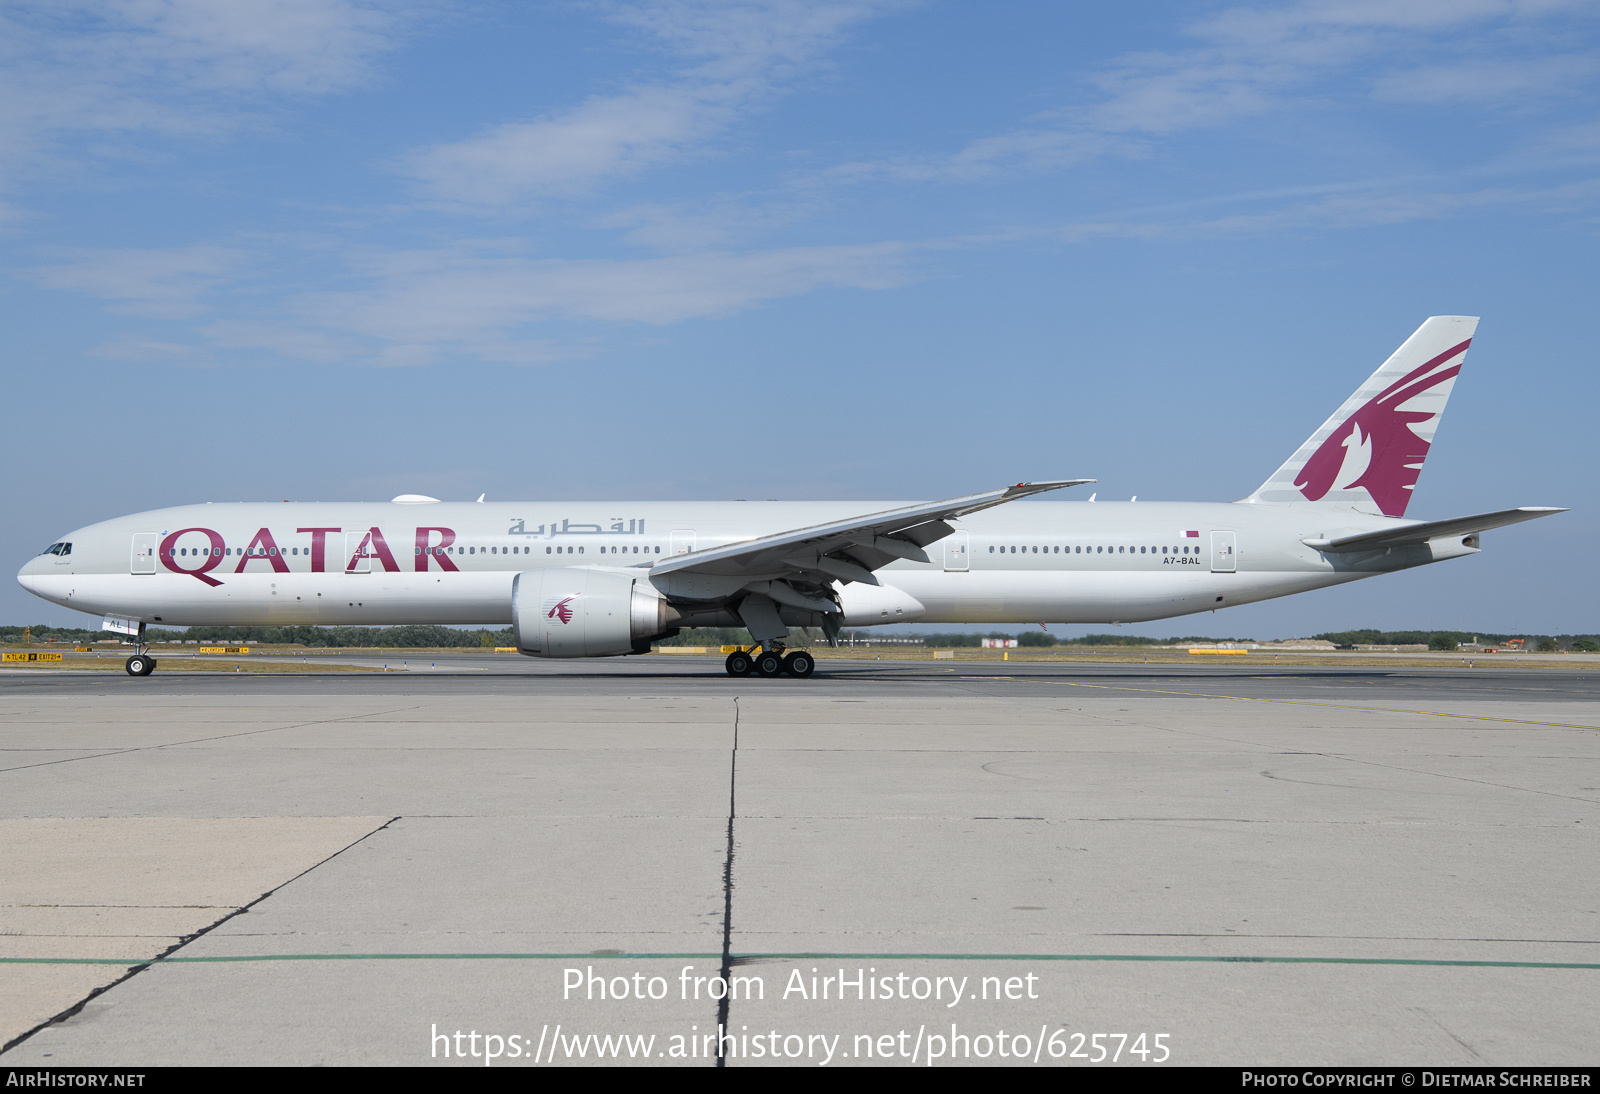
[768, 664]
[799, 664]
[140, 665]
[738, 664]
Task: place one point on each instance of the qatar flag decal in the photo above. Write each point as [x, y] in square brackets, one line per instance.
[559, 608]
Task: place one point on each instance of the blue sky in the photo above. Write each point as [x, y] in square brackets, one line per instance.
[325, 250]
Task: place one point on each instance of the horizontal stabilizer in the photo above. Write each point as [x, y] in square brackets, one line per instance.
[1433, 529]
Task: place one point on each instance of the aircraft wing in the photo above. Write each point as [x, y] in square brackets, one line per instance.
[1419, 533]
[847, 550]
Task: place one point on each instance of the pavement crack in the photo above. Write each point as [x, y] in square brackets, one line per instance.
[204, 740]
[727, 894]
[1476, 1059]
[139, 967]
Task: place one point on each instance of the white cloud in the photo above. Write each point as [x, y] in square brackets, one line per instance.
[735, 56]
[603, 138]
[1247, 62]
[1353, 208]
[718, 225]
[75, 68]
[451, 295]
[481, 300]
[132, 347]
[1486, 80]
[420, 305]
[159, 283]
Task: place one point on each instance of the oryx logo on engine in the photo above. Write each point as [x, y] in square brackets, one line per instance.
[559, 608]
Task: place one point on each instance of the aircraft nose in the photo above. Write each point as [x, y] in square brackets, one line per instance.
[27, 577]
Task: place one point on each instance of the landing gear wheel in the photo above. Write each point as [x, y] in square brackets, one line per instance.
[738, 664]
[799, 663]
[768, 664]
[140, 665]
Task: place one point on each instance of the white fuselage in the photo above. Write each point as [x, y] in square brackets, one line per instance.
[454, 563]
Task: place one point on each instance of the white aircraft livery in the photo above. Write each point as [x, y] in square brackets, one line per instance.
[579, 579]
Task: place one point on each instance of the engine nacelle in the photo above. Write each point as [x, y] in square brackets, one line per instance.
[587, 611]
[867, 605]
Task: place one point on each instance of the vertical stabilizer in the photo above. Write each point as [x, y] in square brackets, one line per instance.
[1368, 455]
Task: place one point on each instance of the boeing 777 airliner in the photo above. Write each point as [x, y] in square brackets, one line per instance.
[598, 579]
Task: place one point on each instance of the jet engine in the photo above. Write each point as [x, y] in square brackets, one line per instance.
[587, 611]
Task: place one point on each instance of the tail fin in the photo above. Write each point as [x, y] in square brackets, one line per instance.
[1368, 455]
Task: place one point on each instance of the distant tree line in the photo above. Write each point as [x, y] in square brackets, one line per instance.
[1449, 640]
[426, 636]
[709, 636]
[411, 637]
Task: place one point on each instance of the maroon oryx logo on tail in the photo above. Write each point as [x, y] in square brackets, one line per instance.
[562, 610]
[1375, 449]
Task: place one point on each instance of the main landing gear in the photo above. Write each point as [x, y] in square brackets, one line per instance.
[762, 662]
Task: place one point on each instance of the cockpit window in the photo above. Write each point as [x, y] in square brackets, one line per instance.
[66, 549]
[53, 549]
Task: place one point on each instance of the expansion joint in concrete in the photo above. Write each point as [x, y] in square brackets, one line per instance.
[135, 970]
[727, 891]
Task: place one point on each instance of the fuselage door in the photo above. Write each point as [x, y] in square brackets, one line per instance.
[144, 553]
[353, 542]
[682, 541]
[1223, 558]
[955, 551]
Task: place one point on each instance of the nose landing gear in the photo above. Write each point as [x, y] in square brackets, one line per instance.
[141, 663]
